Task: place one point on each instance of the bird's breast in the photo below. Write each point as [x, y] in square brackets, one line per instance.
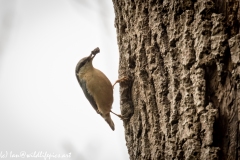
[100, 88]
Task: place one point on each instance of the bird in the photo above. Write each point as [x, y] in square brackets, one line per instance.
[96, 87]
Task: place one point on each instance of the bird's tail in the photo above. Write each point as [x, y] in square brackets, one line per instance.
[109, 121]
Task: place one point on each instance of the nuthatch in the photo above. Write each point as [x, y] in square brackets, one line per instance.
[96, 87]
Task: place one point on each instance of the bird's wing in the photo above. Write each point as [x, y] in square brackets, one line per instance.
[87, 95]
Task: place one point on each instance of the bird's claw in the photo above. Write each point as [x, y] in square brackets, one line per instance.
[121, 80]
[120, 116]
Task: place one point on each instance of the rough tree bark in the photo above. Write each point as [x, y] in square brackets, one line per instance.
[183, 60]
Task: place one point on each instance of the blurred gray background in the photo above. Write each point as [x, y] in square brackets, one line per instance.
[42, 106]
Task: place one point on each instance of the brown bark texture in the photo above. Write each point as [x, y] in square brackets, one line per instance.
[182, 58]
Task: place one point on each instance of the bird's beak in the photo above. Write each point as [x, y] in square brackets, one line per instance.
[94, 52]
[91, 56]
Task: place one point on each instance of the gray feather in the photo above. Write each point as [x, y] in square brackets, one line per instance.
[87, 95]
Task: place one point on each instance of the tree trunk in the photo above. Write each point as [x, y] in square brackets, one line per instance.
[183, 61]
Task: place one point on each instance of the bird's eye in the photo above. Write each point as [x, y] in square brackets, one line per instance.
[83, 63]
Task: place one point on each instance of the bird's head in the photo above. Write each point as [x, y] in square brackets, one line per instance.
[86, 62]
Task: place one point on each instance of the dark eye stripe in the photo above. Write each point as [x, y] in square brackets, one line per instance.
[81, 63]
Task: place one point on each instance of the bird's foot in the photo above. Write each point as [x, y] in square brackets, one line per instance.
[120, 116]
[121, 80]
[98, 112]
